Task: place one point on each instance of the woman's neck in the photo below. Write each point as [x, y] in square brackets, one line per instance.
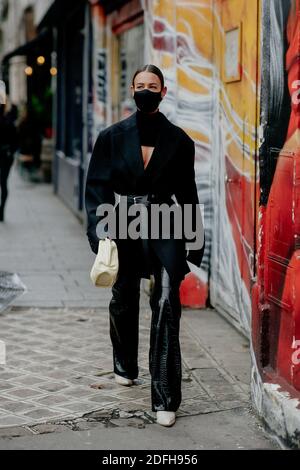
[144, 113]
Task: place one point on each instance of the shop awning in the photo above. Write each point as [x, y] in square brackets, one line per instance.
[58, 12]
[30, 46]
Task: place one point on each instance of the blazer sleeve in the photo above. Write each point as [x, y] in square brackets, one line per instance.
[98, 188]
[186, 193]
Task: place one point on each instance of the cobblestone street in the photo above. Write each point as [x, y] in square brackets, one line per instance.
[58, 372]
[59, 366]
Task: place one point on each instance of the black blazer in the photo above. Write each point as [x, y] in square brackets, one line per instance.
[116, 165]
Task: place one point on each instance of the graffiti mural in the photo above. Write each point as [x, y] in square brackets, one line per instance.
[276, 302]
[179, 36]
[235, 87]
[184, 52]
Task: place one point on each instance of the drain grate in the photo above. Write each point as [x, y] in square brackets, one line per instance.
[11, 287]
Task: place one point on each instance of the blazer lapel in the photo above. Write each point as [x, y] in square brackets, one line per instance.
[128, 143]
[165, 148]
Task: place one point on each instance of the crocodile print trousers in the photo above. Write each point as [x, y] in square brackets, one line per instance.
[164, 353]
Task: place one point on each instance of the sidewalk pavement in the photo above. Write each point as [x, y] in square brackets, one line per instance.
[57, 388]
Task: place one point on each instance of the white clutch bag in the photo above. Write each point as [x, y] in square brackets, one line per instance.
[106, 265]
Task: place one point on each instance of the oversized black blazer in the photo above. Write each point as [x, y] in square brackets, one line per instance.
[116, 165]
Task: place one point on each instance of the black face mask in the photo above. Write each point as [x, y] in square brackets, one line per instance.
[147, 100]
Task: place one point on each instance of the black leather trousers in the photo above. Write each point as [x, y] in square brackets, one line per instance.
[164, 353]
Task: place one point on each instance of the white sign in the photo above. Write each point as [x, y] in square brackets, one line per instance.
[232, 54]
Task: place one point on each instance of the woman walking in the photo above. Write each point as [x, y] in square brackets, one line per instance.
[145, 159]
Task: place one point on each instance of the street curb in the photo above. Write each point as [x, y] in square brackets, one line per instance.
[278, 411]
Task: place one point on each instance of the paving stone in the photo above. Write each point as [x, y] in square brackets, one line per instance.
[58, 374]
[52, 400]
[11, 420]
[11, 432]
[53, 386]
[17, 406]
[199, 407]
[38, 368]
[24, 392]
[80, 392]
[88, 368]
[41, 413]
[134, 405]
[18, 363]
[228, 404]
[81, 380]
[83, 407]
[48, 359]
[193, 392]
[98, 414]
[200, 361]
[33, 343]
[8, 375]
[125, 415]
[49, 428]
[86, 425]
[211, 376]
[103, 400]
[119, 422]
[6, 386]
[136, 423]
[29, 380]
[136, 392]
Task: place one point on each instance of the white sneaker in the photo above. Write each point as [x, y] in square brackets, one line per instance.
[166, 418]
[123, 381]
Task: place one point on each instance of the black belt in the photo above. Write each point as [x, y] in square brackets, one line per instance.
[140, 199]
[145, 199]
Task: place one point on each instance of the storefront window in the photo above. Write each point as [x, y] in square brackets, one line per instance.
[131, 57]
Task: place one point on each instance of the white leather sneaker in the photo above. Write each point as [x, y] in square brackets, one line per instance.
[166, 418]
[123, 381]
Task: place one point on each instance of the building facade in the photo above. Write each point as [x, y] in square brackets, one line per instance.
[232, 73]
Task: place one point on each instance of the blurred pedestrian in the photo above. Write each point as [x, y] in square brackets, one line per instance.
[12, 114]
[8, 146]
[29, 138]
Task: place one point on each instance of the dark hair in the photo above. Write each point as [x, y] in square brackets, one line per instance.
[150, 68]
